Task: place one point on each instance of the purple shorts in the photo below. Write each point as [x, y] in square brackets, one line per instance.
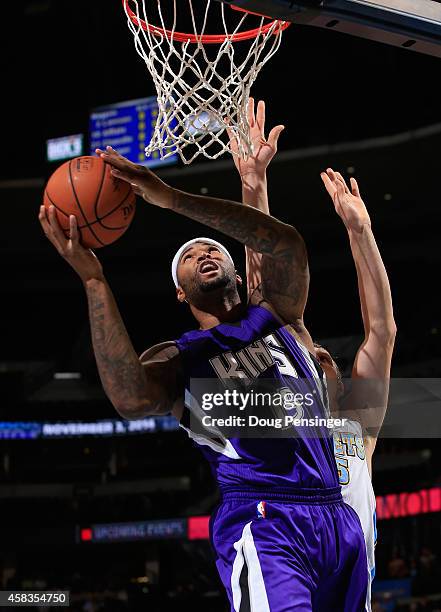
[298, 552]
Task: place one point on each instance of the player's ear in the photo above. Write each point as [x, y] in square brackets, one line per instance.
[239, 280]
[180, 294]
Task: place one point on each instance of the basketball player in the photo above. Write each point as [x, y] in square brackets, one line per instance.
[283, 537]
[353, 454]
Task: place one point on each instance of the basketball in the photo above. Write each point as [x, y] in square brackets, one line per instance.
[103, 204]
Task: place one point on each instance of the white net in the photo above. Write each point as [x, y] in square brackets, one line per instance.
[202, 89]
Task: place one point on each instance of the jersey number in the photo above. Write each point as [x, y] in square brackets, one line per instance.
[343, 470]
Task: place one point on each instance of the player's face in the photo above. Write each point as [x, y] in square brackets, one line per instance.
[202, 269]
[333, 375]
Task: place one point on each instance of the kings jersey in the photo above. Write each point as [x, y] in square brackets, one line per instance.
[257, 347]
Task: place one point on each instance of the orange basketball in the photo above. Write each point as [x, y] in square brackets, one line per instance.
[103, 205]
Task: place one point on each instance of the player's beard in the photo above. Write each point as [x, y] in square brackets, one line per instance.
[200, 290]
[222, 280]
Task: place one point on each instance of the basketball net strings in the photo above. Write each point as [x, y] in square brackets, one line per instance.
[199, 114]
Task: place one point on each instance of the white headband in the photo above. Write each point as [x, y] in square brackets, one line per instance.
[177, 257]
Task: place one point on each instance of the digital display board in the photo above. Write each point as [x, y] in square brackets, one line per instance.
[398, 505]
[167, 529]
[65, 147]
[395, 505]
[17, 430]
[128, 128]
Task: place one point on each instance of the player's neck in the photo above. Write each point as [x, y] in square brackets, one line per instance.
[228, 309]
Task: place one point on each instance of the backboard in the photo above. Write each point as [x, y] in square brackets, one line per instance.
[411, 24]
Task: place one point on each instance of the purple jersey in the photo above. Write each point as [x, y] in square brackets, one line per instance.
[258, 347]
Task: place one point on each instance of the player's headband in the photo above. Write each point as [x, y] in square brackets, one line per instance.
[177, 257]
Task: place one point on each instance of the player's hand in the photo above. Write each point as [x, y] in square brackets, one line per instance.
[144, 183]
[83, 261]
[347, 202]
[264, 150]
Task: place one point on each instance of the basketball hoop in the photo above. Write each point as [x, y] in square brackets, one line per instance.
[202, 80]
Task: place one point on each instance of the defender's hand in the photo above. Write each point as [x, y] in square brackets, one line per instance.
[144, 183]
[82, 260]
[348, 203]
[264, 150]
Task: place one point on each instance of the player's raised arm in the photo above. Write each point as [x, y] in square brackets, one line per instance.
[252, 172]
[285, 273]
[135, 389]
[373, 360]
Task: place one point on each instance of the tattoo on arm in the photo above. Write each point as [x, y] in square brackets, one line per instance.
[250, 226]
[285, 285]
[121, 374]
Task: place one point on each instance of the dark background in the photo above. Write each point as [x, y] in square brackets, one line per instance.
[355, 105]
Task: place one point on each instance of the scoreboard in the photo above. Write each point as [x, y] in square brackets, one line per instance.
[65, 147]
[127, 127]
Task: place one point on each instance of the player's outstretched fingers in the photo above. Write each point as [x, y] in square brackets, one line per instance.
[332, 175]
[43, 220]
[340, 199]
[73, 230]
[341, 191]
[251, 118]
[56, 229]
[234, 147]
[47, 229]
[124, 165]
[116, 160]
[260, 117]
[110, 154]
[339, 176]
[354, 187]
[274, 136]
[42, 217]
[111, 151]
[328, 183]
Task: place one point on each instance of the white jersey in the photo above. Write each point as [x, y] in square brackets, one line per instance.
[356, 486]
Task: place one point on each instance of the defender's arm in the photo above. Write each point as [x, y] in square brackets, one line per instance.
[371, 369]
[252, 172]
[374, 357]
